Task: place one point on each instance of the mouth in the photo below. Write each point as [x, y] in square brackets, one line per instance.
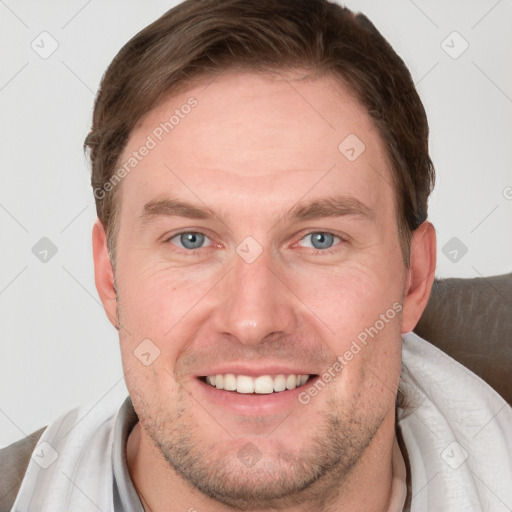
[257, 385]
[269, 391]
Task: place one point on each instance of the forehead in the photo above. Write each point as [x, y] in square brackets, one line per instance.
[244, 136]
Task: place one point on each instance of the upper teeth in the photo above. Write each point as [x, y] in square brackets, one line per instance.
[264, 384]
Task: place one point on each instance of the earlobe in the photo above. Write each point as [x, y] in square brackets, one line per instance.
[420, 275]
[103, 273]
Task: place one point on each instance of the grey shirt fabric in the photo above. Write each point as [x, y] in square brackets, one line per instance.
[125, 495]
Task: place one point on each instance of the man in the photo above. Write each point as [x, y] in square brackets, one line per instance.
[261, 175]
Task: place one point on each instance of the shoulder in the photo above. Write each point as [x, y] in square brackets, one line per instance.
[429, 375]
[457, 431]
[80, 443]
[14, 460]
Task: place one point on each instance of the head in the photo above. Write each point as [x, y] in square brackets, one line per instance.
[261, 175]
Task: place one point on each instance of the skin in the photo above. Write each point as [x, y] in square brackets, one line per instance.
[295, 305]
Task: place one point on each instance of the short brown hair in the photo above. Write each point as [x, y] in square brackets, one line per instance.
[201, 37]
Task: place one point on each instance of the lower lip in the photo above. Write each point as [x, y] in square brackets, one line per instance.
[254, 404]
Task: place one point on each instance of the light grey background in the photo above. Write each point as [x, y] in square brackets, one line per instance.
[58, 349]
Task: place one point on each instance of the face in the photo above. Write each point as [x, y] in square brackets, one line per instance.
[257, 243]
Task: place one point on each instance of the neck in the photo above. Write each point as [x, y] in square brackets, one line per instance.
[367, 488]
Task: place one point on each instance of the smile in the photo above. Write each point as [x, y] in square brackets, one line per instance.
[263, 384]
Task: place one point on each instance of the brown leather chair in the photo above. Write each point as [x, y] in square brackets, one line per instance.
[471, 320]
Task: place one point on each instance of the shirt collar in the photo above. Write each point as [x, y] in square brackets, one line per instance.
[125, 496]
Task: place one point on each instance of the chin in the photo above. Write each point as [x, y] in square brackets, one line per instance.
[262, 472]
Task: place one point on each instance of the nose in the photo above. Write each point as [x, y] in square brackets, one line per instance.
[254, 302]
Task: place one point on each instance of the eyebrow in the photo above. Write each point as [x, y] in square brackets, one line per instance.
[332, 206]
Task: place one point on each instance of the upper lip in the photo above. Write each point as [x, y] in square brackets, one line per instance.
[253, 371]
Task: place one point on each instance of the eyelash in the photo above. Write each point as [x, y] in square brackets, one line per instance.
[314, 252]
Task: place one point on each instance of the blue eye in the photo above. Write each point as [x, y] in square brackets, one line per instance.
[321, 240]
[192, 240]
[189, 240]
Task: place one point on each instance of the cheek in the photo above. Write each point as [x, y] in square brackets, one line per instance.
[160, 305]
[349, 299]
[154, 296]
[361, 309]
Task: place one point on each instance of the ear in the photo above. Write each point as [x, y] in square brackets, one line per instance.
[103, 273]
[420, 276]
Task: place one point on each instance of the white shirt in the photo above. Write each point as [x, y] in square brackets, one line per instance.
[457, 431]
